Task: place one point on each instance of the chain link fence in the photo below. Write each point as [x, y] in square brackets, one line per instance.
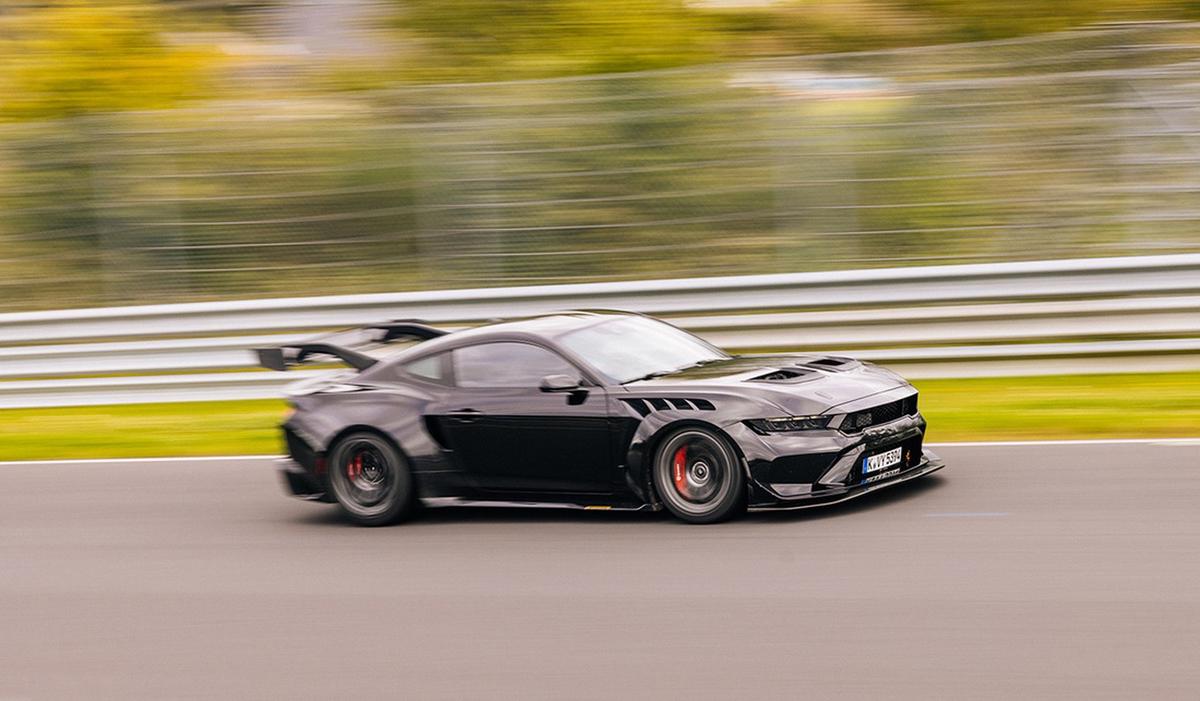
[1069, 145]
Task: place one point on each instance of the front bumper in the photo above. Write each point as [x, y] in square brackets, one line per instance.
[825, 496]
[822, 467]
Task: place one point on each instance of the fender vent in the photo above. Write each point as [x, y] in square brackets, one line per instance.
[644, 407]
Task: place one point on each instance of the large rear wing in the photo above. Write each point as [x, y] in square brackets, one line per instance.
[351, 346]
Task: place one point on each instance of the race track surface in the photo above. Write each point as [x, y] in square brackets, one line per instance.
[1066, 571]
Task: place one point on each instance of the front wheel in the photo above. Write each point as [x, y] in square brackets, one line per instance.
[698, 476]
[370, 480]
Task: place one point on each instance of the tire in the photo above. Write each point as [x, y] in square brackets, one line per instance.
[370, 480]
[699, 476]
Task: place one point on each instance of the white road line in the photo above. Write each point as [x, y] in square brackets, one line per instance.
[964, 444]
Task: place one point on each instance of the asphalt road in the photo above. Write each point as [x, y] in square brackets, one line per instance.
[1018, 572]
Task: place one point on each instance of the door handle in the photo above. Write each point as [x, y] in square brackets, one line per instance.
[466, 416]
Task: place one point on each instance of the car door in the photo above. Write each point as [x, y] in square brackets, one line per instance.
[510, 437]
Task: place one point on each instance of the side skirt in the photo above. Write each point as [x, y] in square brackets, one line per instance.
[459, 501]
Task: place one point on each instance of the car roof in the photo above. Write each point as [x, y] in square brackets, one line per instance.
[544, 327]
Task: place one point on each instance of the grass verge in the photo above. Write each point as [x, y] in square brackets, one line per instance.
[1062, 407]
[141, 430]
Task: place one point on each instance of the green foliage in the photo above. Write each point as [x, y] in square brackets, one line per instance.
[473, 40]
[339, 177]
[973, 20]
[507, 39]
[73, 58]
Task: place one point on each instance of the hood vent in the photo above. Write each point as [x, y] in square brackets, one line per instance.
[833, 364]
[783, 375]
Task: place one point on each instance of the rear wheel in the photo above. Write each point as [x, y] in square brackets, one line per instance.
[699, 477]
[370, 480]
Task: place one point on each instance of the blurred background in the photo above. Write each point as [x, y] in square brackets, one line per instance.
[201, 151]
[183, 150]
[998, 198]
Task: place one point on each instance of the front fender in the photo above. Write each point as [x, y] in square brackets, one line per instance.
[639, 454]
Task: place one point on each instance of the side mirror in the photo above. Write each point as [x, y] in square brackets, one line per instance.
[559, 383]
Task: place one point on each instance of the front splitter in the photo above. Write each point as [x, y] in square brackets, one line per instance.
[811, 502]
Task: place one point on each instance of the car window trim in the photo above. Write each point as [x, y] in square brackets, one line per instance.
[585, 377]
[448, 379]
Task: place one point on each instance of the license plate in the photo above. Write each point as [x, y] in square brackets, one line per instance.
[881, 461]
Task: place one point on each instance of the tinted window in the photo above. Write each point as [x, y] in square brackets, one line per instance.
[432, 368]
[507, 365]
[630, 347]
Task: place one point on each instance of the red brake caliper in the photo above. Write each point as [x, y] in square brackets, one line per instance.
[678, 466]
[355, 467]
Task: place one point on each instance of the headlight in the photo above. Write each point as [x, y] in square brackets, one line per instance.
[784, 424]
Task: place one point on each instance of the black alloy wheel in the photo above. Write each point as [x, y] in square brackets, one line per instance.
[699, 477]
[370, 480]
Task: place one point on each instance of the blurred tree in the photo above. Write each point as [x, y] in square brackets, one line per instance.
[804, 27]
[974, 20]
[508, 39]
[470, 40]
[72, 58]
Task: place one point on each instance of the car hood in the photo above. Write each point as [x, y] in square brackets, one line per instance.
[798, 384]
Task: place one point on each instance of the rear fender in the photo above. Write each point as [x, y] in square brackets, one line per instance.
[324, 418]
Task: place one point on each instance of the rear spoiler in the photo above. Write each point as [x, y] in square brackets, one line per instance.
[347, 346]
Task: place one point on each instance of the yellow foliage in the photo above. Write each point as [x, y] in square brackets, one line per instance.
[79, 57]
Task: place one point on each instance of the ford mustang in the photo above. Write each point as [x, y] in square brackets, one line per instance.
[591, 410]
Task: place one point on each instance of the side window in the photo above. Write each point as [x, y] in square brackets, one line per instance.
[507, 365]
[434, 368]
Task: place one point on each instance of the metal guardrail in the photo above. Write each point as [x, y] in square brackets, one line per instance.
[1046, 317]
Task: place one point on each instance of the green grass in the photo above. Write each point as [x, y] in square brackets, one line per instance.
[142, 430]
[1161, 405]
[1082, 406]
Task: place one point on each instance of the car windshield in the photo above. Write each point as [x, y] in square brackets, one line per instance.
[635, 347]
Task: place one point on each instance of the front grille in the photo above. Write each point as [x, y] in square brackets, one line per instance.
[882, 414]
